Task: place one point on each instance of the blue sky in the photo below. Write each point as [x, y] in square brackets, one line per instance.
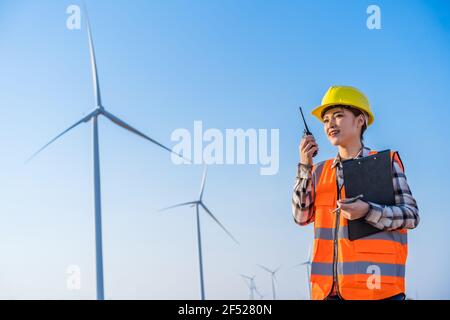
[231, 64]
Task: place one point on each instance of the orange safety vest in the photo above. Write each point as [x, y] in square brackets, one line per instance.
[370, 268]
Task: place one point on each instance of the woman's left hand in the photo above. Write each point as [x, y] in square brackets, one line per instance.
[355, 210]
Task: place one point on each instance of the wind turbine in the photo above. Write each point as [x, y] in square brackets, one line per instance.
[261, 296]
[307, 263]
[93, 115]
[197, 204]
[272, 272]
[251, 285]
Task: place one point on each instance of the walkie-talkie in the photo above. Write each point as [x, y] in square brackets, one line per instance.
[306, 131]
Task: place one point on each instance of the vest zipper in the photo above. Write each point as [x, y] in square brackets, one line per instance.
[335, 251]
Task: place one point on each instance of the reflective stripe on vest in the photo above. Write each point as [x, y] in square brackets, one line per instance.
[372, 267]
[358, 267]
[328, 234]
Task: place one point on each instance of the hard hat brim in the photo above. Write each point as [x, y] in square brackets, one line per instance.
[317, 112]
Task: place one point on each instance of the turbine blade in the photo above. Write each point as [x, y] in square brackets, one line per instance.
[267, 269]
[258, 293]
[247, 277]
[276, 270]
[85, 119]
[302, 264]
[218, 222]
[246, 283]
[126, 126]
[202, 187]
[245, 280]
[95, 82]
[178, 205]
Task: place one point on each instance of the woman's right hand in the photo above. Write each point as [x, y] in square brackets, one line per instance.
[307, 148]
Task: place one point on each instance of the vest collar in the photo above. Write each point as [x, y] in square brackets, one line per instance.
[364, 152]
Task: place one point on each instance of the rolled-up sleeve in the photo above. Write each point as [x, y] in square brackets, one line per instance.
[303, 195]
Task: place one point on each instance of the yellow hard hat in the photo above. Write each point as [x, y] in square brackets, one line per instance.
[344, 95]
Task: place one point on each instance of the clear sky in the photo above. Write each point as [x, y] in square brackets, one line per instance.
[231, 64]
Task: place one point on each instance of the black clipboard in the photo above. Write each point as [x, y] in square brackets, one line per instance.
[370, 176]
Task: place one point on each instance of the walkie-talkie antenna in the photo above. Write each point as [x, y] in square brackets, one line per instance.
[306, 130]
[304, 121]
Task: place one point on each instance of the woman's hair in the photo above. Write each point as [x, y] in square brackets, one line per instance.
[356, 112]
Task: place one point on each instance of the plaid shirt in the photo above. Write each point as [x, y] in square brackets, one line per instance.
[403, 215]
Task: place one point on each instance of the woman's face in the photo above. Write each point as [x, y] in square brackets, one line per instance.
[341, 126]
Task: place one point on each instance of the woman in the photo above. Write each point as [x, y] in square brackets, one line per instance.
[369, 268]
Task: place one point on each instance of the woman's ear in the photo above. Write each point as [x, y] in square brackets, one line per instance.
[361, 120]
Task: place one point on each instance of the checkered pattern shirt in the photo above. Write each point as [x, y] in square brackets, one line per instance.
[403, 215]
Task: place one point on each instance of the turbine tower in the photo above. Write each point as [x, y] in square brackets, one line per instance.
[307, 263]
[92, 117]
[197, 204]
[251, 285]
[272, 272]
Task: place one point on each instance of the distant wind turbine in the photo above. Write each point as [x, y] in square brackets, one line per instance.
[251, 285]
[197, 204]
[92, 116]
[307, 263]
[273, 273]
[261, 296]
